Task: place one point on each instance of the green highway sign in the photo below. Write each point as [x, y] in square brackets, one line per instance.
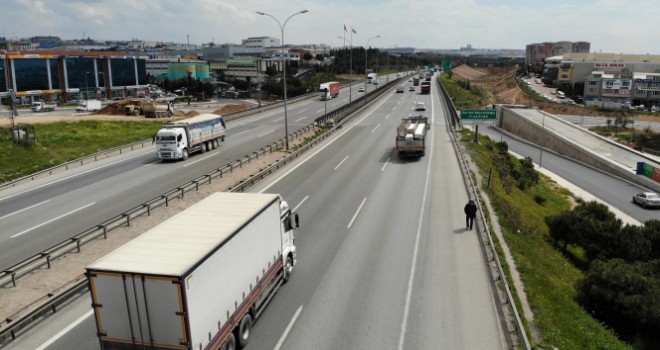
[478, 116]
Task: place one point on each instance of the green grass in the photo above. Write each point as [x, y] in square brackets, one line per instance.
[57, 143]
[461, 97]
[549, 278]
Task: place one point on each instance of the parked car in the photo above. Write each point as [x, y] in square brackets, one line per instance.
[647, 199]
[420, 106]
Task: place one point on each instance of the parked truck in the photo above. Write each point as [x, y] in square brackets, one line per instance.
[197, 280]
[89, 106]
[411, 136]
[329, 90]
[180, 139]
[425, 87]
[43, 106]
[157, 109]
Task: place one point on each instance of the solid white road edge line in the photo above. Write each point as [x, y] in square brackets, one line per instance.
[54, 219]
[299, 204]
[411, 278]
[356, 213]
[64, 331]
[24, 209]
[288, 329]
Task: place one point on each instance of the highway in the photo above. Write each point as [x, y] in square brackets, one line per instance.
[384, 260]
[37, 215]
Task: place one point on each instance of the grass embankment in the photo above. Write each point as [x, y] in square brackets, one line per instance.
[57, 143]
[549, 277]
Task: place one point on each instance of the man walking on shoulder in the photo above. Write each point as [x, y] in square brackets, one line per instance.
[470, 212]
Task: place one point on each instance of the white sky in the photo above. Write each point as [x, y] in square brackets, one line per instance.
[616, 26]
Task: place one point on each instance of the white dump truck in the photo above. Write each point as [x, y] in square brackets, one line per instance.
[197, 134]
[197, 280]
[411, 136]
[43, 107]
[157, 109]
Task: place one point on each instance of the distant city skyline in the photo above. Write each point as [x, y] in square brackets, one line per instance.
[610, 26]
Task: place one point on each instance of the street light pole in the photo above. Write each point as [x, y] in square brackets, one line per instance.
[86, 86]
[286, 124]
[366, 60]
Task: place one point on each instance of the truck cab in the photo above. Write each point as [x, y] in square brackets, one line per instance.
[172, 143]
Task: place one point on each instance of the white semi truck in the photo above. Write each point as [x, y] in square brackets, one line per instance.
[199, 279]
[197, 134]
[411, 136]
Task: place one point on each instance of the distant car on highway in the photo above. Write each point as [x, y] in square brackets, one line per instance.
[647, 199]
[412, 88]
[420, 106]
[361, 89]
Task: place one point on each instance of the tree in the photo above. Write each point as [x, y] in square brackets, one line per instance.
[307, 56]
[624, 295]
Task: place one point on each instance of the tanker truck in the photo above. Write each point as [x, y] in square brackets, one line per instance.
[198, 280]
[182, 138]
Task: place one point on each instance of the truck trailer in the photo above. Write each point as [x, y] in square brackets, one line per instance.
[411, 136]
[329, 90]
[425, 88]
[89, 106]
[197, 280]
[180, 139]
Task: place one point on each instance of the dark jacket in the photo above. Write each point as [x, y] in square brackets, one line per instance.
[470, 209]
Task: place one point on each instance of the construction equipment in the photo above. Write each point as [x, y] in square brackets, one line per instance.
[133, 107]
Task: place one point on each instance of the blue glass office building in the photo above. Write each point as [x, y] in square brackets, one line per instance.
[59, 75]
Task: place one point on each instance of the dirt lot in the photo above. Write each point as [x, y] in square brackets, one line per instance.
[499, 85]
[113, 113]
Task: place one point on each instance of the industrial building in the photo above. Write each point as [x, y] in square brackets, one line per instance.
[69, 75]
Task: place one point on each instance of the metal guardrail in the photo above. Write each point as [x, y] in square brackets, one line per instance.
[488, 246]
[11, 325]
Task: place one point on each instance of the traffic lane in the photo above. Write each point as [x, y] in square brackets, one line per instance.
[452, 296]
[612, 190]
[332, 184]
[28, 194]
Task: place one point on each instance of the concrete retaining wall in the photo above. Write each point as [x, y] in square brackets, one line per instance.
[533, 132]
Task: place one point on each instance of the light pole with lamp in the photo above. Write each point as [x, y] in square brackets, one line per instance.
[366, 60]
[86, 85]
[286, 126]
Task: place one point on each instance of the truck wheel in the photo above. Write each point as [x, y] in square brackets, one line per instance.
[185, 154]
[216, 143]
[244, 330]
[210, 145]
[230, 343]
[203, 147]
[288, 267]
[136, 112]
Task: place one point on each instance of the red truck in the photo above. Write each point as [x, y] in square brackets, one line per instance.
[329, 90]
[426, 87]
